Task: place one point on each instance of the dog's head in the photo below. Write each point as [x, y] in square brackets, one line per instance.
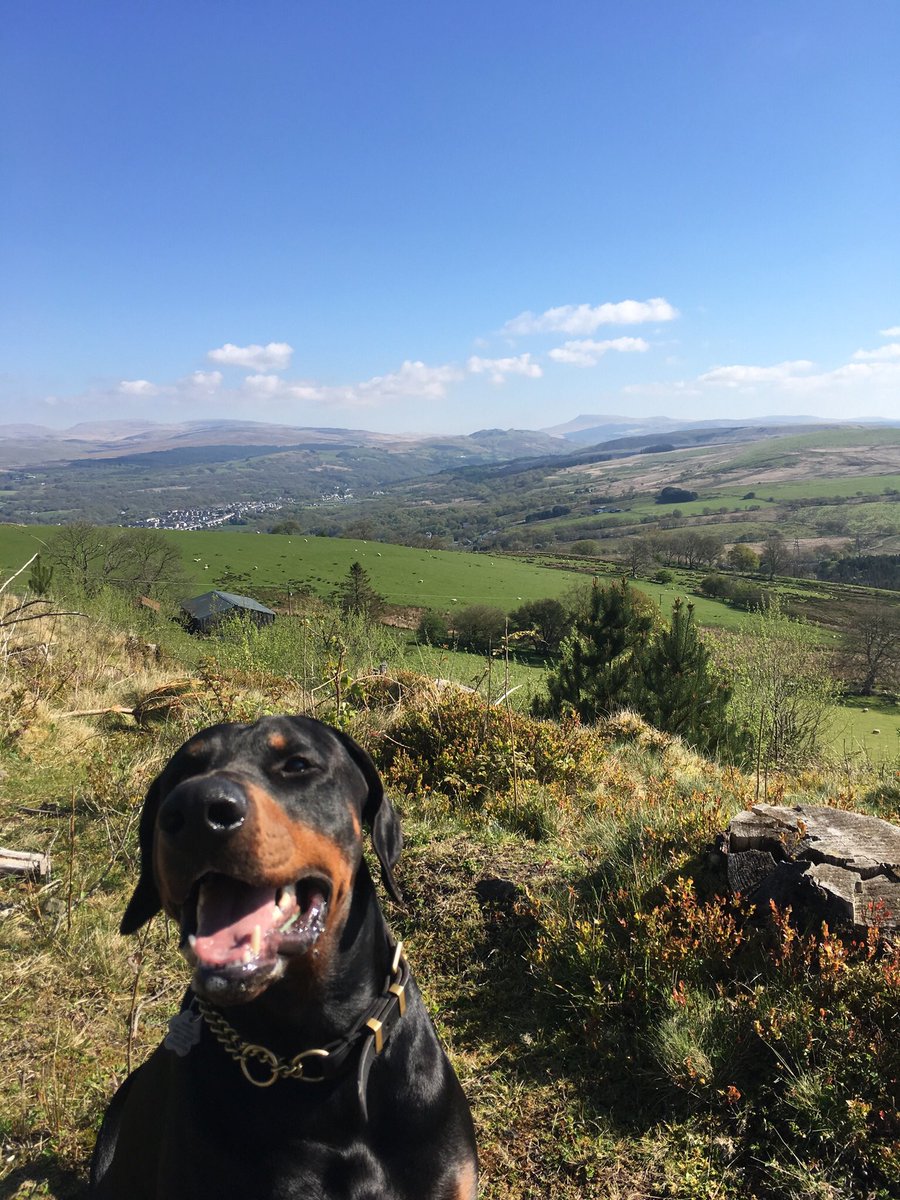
[251, 839]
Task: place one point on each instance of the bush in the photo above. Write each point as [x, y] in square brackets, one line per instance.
[480, 627]
[664, 576]
[749, 596]
[432, 629]
[469, 750]
[675, 495]
[545, 621]
[716, 586]
[749, 1026]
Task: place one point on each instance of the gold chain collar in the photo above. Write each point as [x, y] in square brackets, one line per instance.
[335, 1053]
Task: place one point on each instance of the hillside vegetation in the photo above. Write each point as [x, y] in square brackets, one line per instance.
[621, 1025]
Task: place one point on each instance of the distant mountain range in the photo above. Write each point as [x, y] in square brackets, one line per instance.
[590, 430]
[126, 472]
[23, 445]
[31, 445]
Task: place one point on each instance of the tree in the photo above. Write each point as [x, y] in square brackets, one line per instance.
[357, 595]
[638, 555]
[675, 495]
[742, 559]
[41, 577]
[775, 554]
[783, 687]
[547, 621]
[480, 627]
[682, 692]
[139, 561]
[873, 643]
[599, 667]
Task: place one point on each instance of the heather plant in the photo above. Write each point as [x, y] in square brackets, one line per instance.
[467, 749]
[690, 1003]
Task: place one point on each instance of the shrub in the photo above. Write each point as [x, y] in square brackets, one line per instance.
[480, 627]
[751, 1026]
[432, 629]
[546, 621]
[468, 750]
[675, 495]
[748, 596]
[716, 586]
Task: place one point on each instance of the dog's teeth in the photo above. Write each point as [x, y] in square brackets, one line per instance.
[256, 940]
[192, 940]
[248, 954]
[277, 914]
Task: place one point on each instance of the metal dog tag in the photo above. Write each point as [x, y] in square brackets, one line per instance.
[184, 1032]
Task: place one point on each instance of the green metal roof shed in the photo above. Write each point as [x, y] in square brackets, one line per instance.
[204, 612]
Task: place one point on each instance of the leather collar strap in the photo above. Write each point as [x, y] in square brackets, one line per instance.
[370, 1033]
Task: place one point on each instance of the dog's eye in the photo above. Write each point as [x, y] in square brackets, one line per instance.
[295, 765]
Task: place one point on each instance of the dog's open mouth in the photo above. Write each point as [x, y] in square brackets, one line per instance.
[235, 932]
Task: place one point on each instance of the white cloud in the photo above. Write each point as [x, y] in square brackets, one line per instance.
[499, 368]
[138, 387]
[412, 380]
[883, 354]
[894, 331]
[266, 385]
[585, 318]
[203, 381]
[746, 376]
[874, 376]
[415, 379]
[276, 356]
[586, 353]
[868, 382]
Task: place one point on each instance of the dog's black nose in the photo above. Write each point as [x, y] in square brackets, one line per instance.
[210, 806]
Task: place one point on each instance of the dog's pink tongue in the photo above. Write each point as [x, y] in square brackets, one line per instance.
[229, 914]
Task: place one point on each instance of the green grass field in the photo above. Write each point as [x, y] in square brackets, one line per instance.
[440, 579]
[443, 580]
[770, 452]
[868, 729]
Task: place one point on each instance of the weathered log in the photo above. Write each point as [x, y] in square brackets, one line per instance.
[24, 862]
[846, 864]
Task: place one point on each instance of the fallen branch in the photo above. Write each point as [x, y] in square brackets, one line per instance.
[119, 709]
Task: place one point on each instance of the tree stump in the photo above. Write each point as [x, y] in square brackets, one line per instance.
[842, 867]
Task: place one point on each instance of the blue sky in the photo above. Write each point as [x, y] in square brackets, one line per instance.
[444, 217]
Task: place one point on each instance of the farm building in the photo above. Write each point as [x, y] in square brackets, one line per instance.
[203, 613]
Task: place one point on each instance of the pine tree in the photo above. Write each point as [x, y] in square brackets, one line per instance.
[680, 690]
[357, 595]
[600, 662]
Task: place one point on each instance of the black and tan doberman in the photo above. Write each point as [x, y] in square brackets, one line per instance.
[303, 1065]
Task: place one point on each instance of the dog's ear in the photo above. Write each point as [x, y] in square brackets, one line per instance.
[380, 815]
[145, 903]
